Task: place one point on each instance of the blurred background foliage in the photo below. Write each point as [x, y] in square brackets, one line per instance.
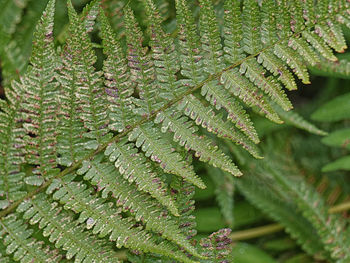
[257, 208]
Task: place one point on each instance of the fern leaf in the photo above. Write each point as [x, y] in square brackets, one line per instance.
[119, 86]
[328, 227]
[105, 220]
[302, 47]
[139, 204]
[184, 134]
[11, 151]
[220, 99]
[296, 13]
[206, 117]
[183, 194]
[309, 12]
[92, 97]
[259, 190]
[289, 56]
[269, 36]
[318, 43]
[18, 241]
[277, 68]
[89, 15]
[210, 38]
[298, 121]
[141, 67]
[157, 148]
[66, 233]
[190, 58]
[283, 19]
[233, 32]
[234, 82]
[39, 105]
[251, 27]
[164, 55]
[133, 167]
[269, 85]
[82, 98]
[333, 35]
[268, 22]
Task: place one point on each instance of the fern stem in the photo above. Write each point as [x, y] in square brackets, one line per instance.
[256, 232]
[273, 228]
[150, 117]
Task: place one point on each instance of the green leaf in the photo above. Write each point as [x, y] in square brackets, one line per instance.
[342, 163]
[339, 138]
[335, 110]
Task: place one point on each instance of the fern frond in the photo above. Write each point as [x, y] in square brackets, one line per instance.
[245, 90]
[164, 55]
[183, 192]
[210, 39]
[290, 57]
[190, 58]
[90, 92]
[330, 228]
[119, 86]
[106, 220]
[39, 104]
[293, 118]
[256, 73]
[259, 190]
[133, 167]
[317, 42]
[18, 241]
[251, 27]
[141, 67]
[206, 117]
[58, 225]
[11, 151]
[204, 149]
[151, 86]
[137, 203]
[83, 117]
[219, 98]
[158, 149]
[233, 32]
[277, 68]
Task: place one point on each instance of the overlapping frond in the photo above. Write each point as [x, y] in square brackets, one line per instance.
[39, 105]
[104, 219]
[313, 207]
[11, 151]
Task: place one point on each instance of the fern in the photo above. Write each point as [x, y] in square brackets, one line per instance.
[112, 147]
